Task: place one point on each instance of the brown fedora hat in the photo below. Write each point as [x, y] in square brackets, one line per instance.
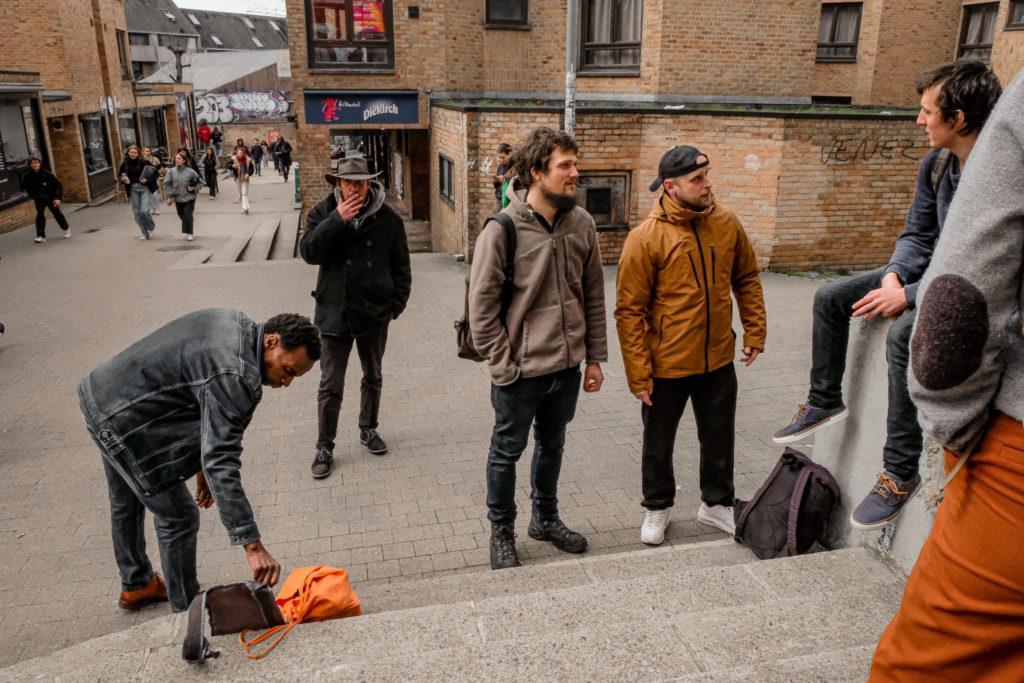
[352, 167]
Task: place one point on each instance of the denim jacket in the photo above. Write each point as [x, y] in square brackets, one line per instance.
[180, 399]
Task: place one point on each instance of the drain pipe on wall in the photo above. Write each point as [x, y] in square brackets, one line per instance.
[570, 67]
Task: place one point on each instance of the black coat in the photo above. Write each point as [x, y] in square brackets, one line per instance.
[42, 186]
[365, 277]
[284, 152]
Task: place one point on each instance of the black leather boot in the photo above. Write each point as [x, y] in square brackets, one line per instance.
[503, 546]
[561, 536]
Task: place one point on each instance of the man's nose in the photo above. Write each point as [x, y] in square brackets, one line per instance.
[287, 380]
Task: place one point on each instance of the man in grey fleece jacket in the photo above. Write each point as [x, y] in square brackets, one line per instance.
[961, 612]
[554, 321]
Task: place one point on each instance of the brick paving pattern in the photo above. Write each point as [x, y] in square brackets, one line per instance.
[416, 512]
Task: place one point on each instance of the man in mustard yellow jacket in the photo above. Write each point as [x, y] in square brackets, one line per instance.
[673, 311]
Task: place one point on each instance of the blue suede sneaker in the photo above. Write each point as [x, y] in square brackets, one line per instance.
[808, 420]
[885, 502]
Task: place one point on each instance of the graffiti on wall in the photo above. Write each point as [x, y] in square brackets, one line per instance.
[850, 148]
[241, 104]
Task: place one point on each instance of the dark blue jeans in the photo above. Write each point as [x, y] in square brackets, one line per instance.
[548, 403]
[176, 520]
[833, 307]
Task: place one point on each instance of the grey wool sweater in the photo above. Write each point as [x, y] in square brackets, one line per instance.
[967, 352]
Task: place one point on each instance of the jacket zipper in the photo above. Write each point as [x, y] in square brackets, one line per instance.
[559, 276]
[713, 264]
[707, 299]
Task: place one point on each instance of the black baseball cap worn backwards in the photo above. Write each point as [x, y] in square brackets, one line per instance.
[678, 160]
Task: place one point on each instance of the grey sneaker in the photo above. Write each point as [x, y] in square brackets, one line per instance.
[885, 502]
[322, 463]
[808, 420]
[371, 439]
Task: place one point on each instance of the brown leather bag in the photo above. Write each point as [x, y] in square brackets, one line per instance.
[233, 608]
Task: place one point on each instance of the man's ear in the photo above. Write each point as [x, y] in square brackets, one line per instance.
[959, 121]
[270, 340]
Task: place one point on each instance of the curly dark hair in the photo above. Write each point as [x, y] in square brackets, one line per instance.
[969, 86]
[295, 330]
[534, 152]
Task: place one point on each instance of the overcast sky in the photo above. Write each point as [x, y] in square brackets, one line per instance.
[257, 6]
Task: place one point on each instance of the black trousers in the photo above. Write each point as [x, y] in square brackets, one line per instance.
[211, 182]
[185, 210]
[333, 364]
[714, 408]
[41, 206]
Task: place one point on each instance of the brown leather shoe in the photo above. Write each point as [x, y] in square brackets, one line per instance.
[156, 591]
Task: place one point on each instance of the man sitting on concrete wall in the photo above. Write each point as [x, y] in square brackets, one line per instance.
[956, 100]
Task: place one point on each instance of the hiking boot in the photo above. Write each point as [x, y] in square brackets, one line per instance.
[808, 420]
[561, 536]
[156, 591]
[653, 530]
[371, 439]
[720, 516]
[885, 502]
[503, 546]
[322, 463]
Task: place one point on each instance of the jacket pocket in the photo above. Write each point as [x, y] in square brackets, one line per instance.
[693, 265]
[544, 341]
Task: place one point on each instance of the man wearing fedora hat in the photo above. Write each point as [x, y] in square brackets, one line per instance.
[363, 284]
[673, 312]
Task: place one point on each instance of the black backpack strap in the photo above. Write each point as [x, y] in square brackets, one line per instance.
[942, 160]
[802, 480]
[196, 648]
[509, 270]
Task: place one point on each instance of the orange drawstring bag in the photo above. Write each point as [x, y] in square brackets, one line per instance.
[309, 594]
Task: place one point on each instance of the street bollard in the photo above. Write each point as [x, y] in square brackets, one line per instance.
[298, 192]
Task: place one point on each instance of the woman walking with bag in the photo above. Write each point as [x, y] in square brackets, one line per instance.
[139, 178]
[181, 187]
[242, 169]
[154, 199]
[211, 164]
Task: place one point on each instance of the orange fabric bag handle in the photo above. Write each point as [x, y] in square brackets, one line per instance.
[284, 628]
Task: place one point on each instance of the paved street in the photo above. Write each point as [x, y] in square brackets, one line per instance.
[416, 512]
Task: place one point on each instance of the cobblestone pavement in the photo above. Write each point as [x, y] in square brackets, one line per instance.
[416, 512]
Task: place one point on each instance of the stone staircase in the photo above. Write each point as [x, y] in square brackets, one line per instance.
[700, 612]
[271, 239]
[418, 234]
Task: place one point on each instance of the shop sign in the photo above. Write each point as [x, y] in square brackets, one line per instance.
[362, 107]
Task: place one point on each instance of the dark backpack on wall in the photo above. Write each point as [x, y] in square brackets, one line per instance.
[791, 509]
[463, 335]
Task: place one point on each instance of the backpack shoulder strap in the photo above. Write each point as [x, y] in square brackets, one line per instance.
[942, 160]
[509, 226]
[196, 648]
[802, 480]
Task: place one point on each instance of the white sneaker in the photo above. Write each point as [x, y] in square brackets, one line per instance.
[143, 238]
[719, 516]
[40, 240]
[189, 238]
[653, 530]
[67, 233]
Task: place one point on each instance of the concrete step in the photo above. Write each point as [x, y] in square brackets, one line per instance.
[286, 245]
[651, 620]
[258, 248]
[418, 235]
[237, 241]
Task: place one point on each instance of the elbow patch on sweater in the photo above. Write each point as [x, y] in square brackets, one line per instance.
[952, 328]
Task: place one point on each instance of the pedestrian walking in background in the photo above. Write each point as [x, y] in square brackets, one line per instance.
[211, 165]
[205, 135]
[217, 138]
[154, 200]
[272, 148]
[47, 192]
[362, 285]
[181, 187]
[678, 272]
[500, 184]
[266, 153]
[257, 156]
[139, 177]
[284, 154]
[190, 160]
[242, 169]
[557, 300]
[240, 144]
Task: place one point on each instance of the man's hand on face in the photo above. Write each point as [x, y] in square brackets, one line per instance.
[350, 207]
[593, 378]
[265, 568]
[889, 300]
[204, 498]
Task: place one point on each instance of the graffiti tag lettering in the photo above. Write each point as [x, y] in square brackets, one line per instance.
[238, 104]
[849, 149]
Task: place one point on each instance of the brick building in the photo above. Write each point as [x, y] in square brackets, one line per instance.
[806, 108]
[67, 96]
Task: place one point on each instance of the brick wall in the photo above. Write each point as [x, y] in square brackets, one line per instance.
[69, 160]
[1007, 48]
[844, 189]
[447, 224]
[853, 80]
